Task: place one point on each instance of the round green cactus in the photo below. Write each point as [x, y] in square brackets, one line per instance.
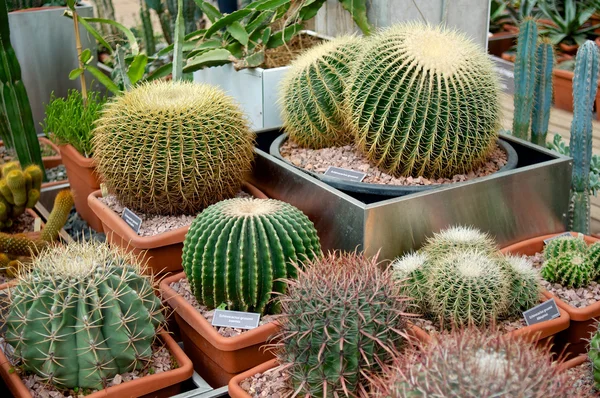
[570, 269]
[408, 272]
[313, 94]
[467, 287]
[237, 250]
[593, 257]
[459, 237]
[525, 287]
[558, 246]
[83, 314]
[172, 147]
[342, 320]
[594, 355]
[424, 101]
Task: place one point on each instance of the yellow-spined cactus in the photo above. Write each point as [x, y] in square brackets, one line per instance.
[19, 190]
[173, 147]
[58, 216]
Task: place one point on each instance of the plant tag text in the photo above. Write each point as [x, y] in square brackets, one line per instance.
[345, 174]
[235, 319]
[541, 313]
[563, 235]
[132, 219]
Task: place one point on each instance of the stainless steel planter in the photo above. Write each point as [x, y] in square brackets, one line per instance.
[529, 201]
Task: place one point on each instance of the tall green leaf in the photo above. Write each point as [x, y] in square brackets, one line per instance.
[358, 10]
[178, 43]
[238, 32]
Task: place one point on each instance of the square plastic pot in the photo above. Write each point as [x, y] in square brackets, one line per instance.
[162, 251]
[216, 358]
[583, 320]
[158, 385]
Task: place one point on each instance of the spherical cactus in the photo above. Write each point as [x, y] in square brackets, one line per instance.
[467, 287]
[313, 94]
[570, 269]
[594, 355]
[172, 147]
[558, 246]
[408, 272]
[593, 257]
[459, 237]
[470, 363]
[525, 287]
[424, 101]
[83, 314]
[341, 320]
[236, 251]
[19, 190]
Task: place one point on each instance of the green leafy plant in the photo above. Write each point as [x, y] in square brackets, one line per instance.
[71, 121]
[569, 19]
[498, 15]
[342, 320]
[83, 314]
[238, 250]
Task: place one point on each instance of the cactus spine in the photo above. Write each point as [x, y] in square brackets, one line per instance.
[424, 101]
[585, 85]
[594, 355]
[237, 250]
[83, 314]
[570, 269]
[342, 320]
[559, 246]
[16, 120]
[408, 271]
[525, 286]
[525, 72]
[543, 93]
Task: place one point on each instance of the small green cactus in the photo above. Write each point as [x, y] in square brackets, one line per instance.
[593, 257]
[313, 94]
[525, 287]
[594, 355]
[459, 237]
[562, 245]
[342, 320]
[237, 250]
[525, 73]
[83, 314]
[19, 190]
[424, 101]
[408, 272]
[570, 269]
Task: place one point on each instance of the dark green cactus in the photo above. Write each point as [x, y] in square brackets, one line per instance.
[585, 85]
[594, 355]
[342, 320]
[237, 249]
[409, 272]
[84, 314]
[148, 31]
[525, 72]
[593, 257]
[16, 120]
[542, 101]
[559, 246]
[525, 287]
[570, 269]
[424, 101]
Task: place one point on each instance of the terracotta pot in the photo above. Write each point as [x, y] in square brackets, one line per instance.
[568, 48]
[234, 389]
[501, 42]
[509, 56]
[83, 180]
[583, 320]
[216, 358]
[163, 384]
[49, 161]
[563, 90]
[162, 252]
[573, 362]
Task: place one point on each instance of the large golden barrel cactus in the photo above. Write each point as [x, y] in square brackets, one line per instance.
[424, 101]
[173, 147]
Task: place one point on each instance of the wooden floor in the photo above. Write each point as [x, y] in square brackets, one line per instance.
[560, 123]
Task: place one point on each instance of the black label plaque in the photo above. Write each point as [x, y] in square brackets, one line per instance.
[132, 219]
[235, 319]
[541, 313]
[345, 174]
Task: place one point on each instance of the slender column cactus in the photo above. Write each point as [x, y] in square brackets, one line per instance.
[18, 130]
[524, 77]
[149, 43]
[585, 85]
[542, 101]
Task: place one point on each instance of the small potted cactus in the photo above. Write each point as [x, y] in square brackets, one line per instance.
[86, 318]
[375, 106]
[234, 256]
[352, 323]
[167, 150]
[459, 279]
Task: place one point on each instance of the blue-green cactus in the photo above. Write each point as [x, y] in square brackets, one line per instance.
[585, 85]
[542, 101]
[524, 77]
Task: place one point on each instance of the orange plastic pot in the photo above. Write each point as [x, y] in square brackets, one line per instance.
[164, 384]
[162, 251]
[83, 180]
[216, 358]
[583, 320]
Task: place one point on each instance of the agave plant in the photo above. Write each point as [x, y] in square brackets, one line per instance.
[569, 20]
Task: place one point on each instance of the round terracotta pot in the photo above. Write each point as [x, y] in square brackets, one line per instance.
[583, 320]
[162, 252]
[563, 90]
[164, 384]
[83, 180]
[216, 358]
